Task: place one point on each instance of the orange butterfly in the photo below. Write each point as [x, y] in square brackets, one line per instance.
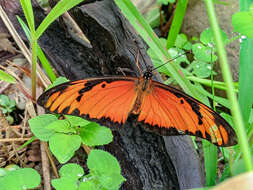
[158, 107]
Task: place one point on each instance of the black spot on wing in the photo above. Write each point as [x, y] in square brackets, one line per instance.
[79, 97]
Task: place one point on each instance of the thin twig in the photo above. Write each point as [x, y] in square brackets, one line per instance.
[45, 168]
[86, 148]
[14, 139]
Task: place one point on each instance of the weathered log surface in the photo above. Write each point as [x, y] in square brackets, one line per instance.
[148, 161]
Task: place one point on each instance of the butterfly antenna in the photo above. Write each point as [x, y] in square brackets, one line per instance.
[171, 60]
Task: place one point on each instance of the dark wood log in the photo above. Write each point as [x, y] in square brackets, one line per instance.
[148, 161]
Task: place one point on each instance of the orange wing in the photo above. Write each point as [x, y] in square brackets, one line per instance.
[107, 100]
[168, 111]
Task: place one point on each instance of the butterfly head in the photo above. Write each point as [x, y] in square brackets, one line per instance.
[148, 73]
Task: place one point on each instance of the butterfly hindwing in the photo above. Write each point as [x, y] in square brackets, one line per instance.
[169, 111]
[105, 100]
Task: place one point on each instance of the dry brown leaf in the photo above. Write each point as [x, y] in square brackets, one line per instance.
[240, 182]
[5, 44]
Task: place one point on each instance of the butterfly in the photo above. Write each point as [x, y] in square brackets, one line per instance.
[165, 110]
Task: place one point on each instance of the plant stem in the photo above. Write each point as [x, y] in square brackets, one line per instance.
[176, 23]
[225, 68]
[34, 62]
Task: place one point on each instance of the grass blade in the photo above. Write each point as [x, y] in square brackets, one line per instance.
[6, 77]
[46, 65]
[210, 160]
[176, 23]
[61, 7]
[28, 12]
[226, 73]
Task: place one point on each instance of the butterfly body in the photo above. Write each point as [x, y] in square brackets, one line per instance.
[158, 107]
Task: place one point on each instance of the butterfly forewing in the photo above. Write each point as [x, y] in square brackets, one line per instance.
[169, 111]
[99, 99]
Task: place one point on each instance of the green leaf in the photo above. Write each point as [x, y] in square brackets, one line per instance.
[181, 40]
[71, 171]
[28, 12]
[61, 126]
[238, 167]
[245, 79]
[201, 69]
[100, 162]
[210, 159]
[25, 178]
[76, 121]
[61, 7]
[203, 53]
[41, 55]
[64, 146]
[88, 185]
[38, 126]
[6, 77]
[58, 81]
[228, 118]
[112, 181]
[94, 135]
[165, 2]
[64, 183]
[207, 37]
[153, 17]
[243, 23]
[178, 17]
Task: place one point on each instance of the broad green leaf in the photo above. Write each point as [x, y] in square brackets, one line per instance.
[95, 135]
[203, 53]
[6, 77]
[88, 185]
[25, 178]
[64, 146]
[201, 69]
[61, 7]
[38, 126]
[207, 37]
[71, 171]
[2, 172]
[102, 163]
[243, 23]
[64, 183]
[112, 181]
[181, 40]
[61, 126]
[76, 121]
